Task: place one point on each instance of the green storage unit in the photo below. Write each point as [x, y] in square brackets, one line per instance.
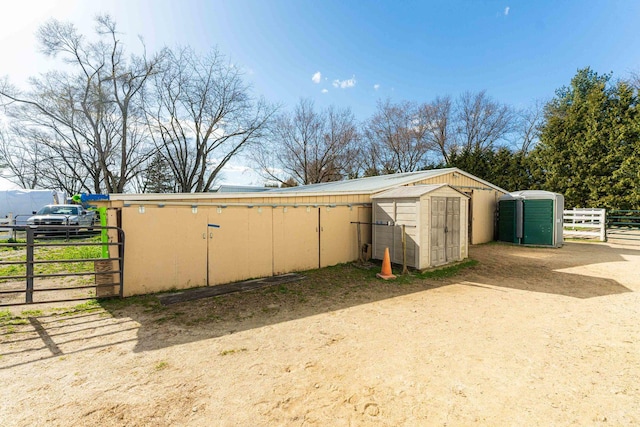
[531, 217]
[538, 222]
[508, 221]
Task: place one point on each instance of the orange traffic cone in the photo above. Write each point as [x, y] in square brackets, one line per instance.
[386, 273]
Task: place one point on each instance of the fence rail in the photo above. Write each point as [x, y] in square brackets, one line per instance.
[60, 263]
[585, 223]
[623, 225]
[624, 218]
[6, 232]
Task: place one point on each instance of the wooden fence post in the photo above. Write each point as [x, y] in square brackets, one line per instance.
[404, 250]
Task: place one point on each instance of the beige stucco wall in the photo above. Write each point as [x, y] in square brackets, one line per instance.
[166, 248]
[483, 204]
[177, 247]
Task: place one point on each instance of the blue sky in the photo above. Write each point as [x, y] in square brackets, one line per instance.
[403, 50]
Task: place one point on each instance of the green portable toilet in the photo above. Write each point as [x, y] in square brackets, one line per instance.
[536, 219]
[510, 219]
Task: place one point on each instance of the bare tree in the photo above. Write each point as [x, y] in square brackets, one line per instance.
[634, 80]
[89, 117]
[3, 143]
[308, 146]
[398, 138]
[201, 115]
[481, 122]
[23, 159]
[438, 118]
[528, 122]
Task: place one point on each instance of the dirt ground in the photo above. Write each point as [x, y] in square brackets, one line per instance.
[528, 336]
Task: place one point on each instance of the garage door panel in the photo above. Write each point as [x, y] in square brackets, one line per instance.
[260, 243]
[190, 248]
[295, 239]
[228, 244]
[170, 240]
[337, 235]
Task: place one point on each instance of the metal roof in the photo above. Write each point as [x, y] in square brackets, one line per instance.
[413, 191]
[531, 194]
[369, 185]
[375, 184]
[232, 188]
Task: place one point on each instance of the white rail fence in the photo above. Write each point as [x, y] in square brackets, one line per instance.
[586, 223]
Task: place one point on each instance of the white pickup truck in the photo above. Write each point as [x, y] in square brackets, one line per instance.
[52, 215]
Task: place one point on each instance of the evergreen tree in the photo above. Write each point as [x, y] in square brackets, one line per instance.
[158, 177]
[588, 148]
[510, 170]
[503, 167]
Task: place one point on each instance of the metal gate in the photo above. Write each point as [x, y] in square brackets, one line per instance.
[623, 225]
[46, 264]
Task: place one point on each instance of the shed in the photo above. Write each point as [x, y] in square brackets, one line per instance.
[435, 222]
[531, 217]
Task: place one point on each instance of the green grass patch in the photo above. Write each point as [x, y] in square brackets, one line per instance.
[12, 248]
[86, 307]
[52, 253]
[282, 289]
[12, 270]
[171, 316]
[161, 365]
[72, 252]
[148, 302]
[9, 321]
[448, 271]
[32, 313]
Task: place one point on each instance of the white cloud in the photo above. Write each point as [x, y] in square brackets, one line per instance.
[344, 84]
[324, 90]
[316, 77]
[506, 11]
[376, 86]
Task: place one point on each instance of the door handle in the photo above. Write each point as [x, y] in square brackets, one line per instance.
[211, 235]
[204, 235]
[446, 229]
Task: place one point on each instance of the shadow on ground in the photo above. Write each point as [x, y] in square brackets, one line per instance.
[150, 325]
[563, 271]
